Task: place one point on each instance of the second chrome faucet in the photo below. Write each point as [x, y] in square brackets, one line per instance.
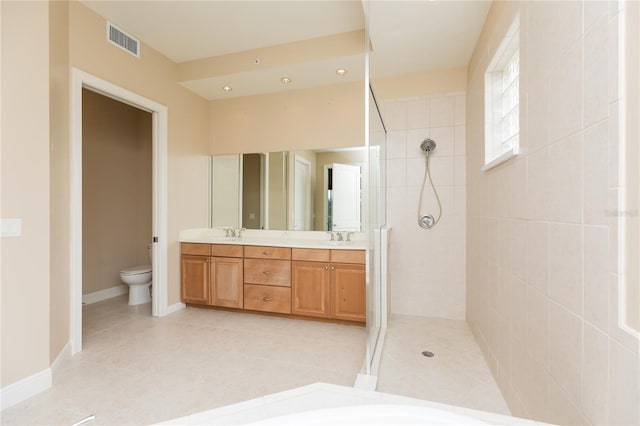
[340, 236]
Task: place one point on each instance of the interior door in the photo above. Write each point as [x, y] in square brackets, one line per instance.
[302, 195]
[345, 197]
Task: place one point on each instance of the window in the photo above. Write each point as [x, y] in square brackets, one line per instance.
[502, 100]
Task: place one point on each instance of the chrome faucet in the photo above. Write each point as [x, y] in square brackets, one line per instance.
[332, 235]
[340, 236]
[349, 234]
[238, 232]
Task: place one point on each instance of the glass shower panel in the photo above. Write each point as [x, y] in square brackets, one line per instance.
[376, 220]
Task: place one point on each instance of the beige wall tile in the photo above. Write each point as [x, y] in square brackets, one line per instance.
[418, 114]
[442, 111]
[565, 180]
[624, 388]
[595, 354]
[565, 265]
[537, 325]
[596, 276]
[565, 92]
[565, 351]
[595, 171]
[538, 256]
[459, 140]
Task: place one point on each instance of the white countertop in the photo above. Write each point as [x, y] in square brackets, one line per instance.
[295, 239]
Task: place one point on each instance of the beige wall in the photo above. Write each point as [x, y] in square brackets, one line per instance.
[59, 183]
[25, 190]
[154, 77]
[116, 190]
[419, 84]
[541, 248]
[324, 117]
[80, 33]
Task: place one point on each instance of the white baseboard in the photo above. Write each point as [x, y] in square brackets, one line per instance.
[25, 388]
[175, 307]
[107, 293]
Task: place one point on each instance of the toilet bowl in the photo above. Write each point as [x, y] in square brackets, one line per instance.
[138, 278]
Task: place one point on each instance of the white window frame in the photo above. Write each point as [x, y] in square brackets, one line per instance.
[498, 148]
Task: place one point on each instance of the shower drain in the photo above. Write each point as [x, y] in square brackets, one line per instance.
[428, 354]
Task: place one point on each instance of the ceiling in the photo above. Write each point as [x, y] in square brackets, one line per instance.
[223, 39]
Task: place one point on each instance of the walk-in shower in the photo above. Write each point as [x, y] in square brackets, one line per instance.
[426, 220]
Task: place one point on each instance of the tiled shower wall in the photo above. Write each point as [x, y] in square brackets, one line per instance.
[542, 248]
[427, 267]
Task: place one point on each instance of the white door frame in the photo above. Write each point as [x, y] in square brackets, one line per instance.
[80, 80]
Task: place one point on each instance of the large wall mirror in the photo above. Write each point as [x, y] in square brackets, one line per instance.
[305, 190]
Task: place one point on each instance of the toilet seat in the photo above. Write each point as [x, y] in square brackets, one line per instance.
[136, 270]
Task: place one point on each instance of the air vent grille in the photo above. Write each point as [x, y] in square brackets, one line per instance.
[123, 40]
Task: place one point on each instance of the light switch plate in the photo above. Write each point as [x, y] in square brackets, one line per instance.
[11, 227]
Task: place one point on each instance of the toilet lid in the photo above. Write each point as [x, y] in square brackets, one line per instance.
[134, 270]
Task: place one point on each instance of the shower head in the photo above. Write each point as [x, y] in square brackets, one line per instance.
[428, 145]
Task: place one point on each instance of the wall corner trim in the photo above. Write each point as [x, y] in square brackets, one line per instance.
[25, 388]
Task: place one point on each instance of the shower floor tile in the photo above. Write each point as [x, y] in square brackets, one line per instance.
[457, 374]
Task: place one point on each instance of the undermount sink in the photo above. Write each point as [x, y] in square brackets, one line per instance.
[339, 243]
[222, 239]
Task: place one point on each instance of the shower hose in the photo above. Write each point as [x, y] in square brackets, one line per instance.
[427, 221]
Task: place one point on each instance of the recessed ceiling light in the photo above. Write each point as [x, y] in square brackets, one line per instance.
[227, 88]
[341, 71]
[285, 80]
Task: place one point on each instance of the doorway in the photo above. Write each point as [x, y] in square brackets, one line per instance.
[159, 118]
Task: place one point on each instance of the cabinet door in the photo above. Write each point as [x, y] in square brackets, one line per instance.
[195, 279]
[348, 300]
[310, 289]
[226, 282]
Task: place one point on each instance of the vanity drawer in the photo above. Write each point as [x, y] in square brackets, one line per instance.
[268, 272]
[226, 250]
[267, 298]
[310, 255]
[347, 256]
[261, 252]
[195, 249]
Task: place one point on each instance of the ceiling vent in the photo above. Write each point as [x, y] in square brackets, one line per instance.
[123, 40]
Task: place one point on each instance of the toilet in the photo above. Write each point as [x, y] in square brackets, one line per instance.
[138, 278]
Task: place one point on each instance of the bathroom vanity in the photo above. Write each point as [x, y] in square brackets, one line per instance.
[301, 278]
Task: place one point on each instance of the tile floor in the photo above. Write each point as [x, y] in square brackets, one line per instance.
[136, 369]
[457, 374]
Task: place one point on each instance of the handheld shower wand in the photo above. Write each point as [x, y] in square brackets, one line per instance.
[427, 221]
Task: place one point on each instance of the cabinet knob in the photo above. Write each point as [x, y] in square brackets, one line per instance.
[266, 272]
[266, 253]
[267, 299]
[326, 268]
[333, 268]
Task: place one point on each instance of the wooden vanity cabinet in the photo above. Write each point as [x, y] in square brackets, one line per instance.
[322, 287]
[226, 276]
[267, 279]
[348, 298]
[310, 289]
[320, 283]
[195, 273]
[212, 274]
